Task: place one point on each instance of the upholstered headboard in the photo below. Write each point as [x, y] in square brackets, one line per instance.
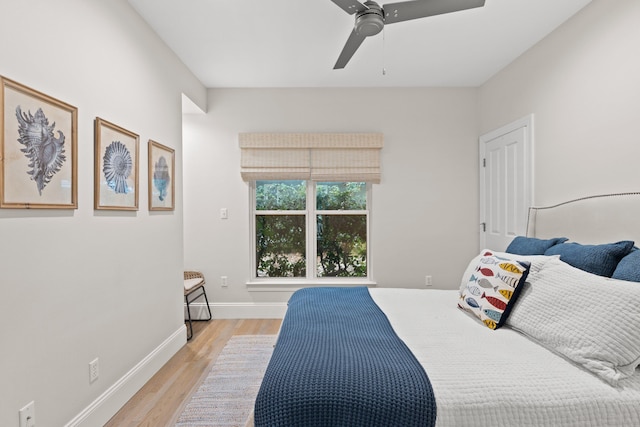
[589, 220]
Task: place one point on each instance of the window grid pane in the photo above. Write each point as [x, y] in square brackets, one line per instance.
[280, 246]
[341, 246]
[281, 195]
[341, 196]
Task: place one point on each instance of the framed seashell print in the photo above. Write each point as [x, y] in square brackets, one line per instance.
[161, 177]
[116, 167]
[38, 149]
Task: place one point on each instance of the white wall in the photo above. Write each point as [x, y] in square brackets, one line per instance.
[582, 83]
[80, 284]
[425, 209]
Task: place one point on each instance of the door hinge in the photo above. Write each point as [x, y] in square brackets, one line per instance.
[484, 227]
[484, 163]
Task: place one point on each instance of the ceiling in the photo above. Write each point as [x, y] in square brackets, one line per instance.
[295, 43]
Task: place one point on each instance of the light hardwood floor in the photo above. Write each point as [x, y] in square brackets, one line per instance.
[161, 400]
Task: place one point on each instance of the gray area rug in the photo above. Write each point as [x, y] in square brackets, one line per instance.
[228, 393]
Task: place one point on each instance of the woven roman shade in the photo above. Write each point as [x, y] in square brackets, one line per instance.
[311, 156]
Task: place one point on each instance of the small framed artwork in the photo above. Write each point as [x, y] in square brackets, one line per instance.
[38, 150]
[116, 167]
[161, 177]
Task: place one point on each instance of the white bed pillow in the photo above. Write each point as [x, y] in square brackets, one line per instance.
[591, 320]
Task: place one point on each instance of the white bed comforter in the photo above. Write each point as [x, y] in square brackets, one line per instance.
[482, 377]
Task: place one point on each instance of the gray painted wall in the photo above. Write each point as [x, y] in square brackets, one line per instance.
[424, 211]
[582, 84]
[80, 284]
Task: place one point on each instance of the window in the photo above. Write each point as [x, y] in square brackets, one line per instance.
[310, 199]
[310, 230]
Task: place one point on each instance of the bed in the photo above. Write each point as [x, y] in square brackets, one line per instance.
[546, 333]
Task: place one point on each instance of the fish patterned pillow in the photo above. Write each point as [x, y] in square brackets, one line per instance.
[493, 288]
[536, 261]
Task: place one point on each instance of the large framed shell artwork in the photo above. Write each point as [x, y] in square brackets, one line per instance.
[161, 177]
[116, 167]
[38, 149]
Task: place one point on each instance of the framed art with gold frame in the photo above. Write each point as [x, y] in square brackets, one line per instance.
[38, 149]
[116, 167]
[161, 177]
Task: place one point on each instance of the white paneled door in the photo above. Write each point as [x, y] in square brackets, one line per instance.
[506, 181]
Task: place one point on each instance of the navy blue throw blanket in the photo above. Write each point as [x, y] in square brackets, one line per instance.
[338, 362]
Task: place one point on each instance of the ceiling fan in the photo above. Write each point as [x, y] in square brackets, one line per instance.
[371, 18]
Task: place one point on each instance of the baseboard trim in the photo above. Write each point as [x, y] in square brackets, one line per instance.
[239, 310]
[109, 403]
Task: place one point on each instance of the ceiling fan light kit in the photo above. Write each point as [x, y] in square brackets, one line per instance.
[370, 18]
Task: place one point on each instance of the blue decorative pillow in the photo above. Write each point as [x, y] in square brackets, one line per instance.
[522, 245]
[629, 267]
[596, 259]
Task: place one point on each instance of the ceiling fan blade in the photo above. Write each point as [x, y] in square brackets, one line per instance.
[353, 43]
[407, 10]
[350, 6]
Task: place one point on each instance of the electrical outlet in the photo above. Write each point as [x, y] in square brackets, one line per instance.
[224, 213]
[223, 281]
[94, 370]
[427, 281]
[28, 415]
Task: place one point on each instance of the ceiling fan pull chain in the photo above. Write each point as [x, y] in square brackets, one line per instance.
[384, 69]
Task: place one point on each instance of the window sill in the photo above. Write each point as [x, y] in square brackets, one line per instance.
[294, 285]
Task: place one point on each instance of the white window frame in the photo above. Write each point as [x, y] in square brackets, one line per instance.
[291, 283]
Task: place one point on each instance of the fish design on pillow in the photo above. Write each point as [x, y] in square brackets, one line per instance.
[472, 302]
[508, 280]
[496, 302]
[506, 293]
[485, 271]
[490, 323]
[510, 267]
[492, 314]
[484, 283]
[474, 290]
